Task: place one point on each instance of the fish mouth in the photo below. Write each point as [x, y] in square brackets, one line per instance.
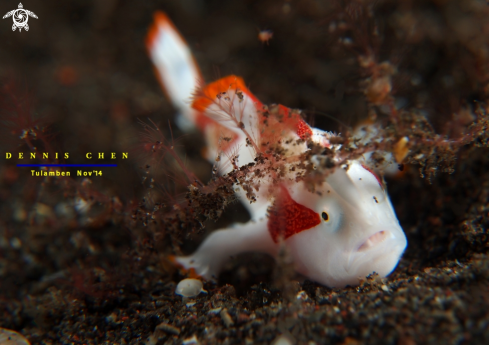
[374, 240]
[378, 246]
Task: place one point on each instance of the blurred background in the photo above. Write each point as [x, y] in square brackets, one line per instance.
[87, 70]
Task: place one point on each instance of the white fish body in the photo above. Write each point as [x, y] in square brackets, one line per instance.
[343, 231]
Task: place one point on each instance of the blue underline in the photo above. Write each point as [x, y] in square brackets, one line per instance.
[69, 165]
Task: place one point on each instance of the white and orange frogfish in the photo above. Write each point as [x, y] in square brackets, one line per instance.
[342, 231]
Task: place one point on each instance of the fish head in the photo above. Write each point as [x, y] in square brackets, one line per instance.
[358, 232]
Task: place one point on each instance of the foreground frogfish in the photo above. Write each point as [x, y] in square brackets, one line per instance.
[338, 232]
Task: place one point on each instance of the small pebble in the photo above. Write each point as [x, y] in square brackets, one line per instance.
[302, 295]
[15, 243]
[226, 318]
[189, 287]
[190, 341]
[214, 311]
[190, 304]
[282, 340]
[167, 328]
[152, 340]
[9, 337]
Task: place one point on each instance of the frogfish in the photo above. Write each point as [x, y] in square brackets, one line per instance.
[337, 232]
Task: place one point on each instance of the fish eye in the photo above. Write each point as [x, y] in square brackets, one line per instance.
[325, 216]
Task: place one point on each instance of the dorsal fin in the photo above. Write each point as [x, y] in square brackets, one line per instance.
[208, 95]
[175, 66]
[228, 102]
[234, 111]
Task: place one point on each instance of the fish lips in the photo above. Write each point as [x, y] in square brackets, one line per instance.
[381, 251]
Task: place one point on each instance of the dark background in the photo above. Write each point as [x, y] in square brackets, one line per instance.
[86, 66]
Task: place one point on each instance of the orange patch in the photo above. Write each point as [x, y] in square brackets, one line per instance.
[207, 95]
[190, 273]
[288, 217]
